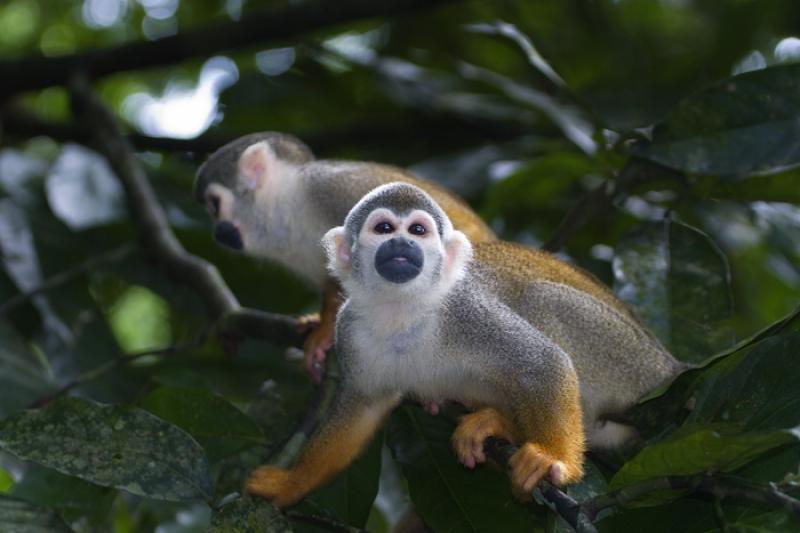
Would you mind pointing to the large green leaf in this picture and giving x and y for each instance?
(18, 516)
(743, 125)
(350, 495)
(449, 497)
(249, 515)
(23, 377)
(758, 390)
(698, 516)
(72, 497)
(695, 449)
(218, 426)
(114, 446)
(678, 282)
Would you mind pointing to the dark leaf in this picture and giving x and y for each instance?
(677, 281)
(744, 125)
(218, 426)
(23, 378)
(449, 497)
(113, 446)
(18, 516)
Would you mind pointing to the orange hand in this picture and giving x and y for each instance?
(321, 338)
(475, 428)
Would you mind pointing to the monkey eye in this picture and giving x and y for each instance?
(417, 229)
(383, 227)
(213, 205)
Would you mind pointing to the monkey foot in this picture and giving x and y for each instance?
(531, 463)
(272, 484)
(473, 429)
(315, 348)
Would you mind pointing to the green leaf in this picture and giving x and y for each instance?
(112, 446)
(698, 516)
(349, 497)
(6, 481)
(23, 517)
(758, 389)
(249, 515)
(23, 378)
(678, 282)
(72, 497)
(695, 449)
(222, 429)
(448, 496)
(740, 126)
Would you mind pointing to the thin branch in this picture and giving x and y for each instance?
(156, 235)
(118, 361)
(707, 484)
(275, 24)
(324, 522)
(560, 502)
(600, 200)
(62, 278)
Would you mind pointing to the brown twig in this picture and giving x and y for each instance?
(118, 361)
(324, 522)
(62, 278)
(277, 23)
(707, 484)
(560, 502)
(156, 235)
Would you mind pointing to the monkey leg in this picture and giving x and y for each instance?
(336, 444)
(320, 340)
(554, 442)
(474, 428)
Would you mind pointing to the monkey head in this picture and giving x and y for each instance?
(236, 178)
(396, 240)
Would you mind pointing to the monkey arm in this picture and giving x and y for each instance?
(548, 413)
(354, 419)
(320, 340)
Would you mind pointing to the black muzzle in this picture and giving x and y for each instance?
(228, 235)
(399, 260)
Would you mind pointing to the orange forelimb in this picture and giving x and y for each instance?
(337, 443)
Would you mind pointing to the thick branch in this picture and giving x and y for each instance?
(271, 25)
(445, 131)
(155, 233)
(560, 502)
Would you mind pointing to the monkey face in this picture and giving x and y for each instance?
(219, 202)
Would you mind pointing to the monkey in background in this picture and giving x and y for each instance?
(422, 319)
(269, 197)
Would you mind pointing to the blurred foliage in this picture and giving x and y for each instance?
(521, 107)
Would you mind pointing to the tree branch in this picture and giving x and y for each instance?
(560, 502)
(445, 131)
(156, 235)
(277, 23)
(62, 278)
(707, 484)
(323, 522)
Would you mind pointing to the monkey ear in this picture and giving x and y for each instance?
(337, 247)
(255, 164)
(458, 252)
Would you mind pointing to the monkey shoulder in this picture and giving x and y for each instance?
(476, 317)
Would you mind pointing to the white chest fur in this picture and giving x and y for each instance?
(397, 350)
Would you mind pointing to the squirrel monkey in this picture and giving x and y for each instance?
(269, 197)
(423, 319)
